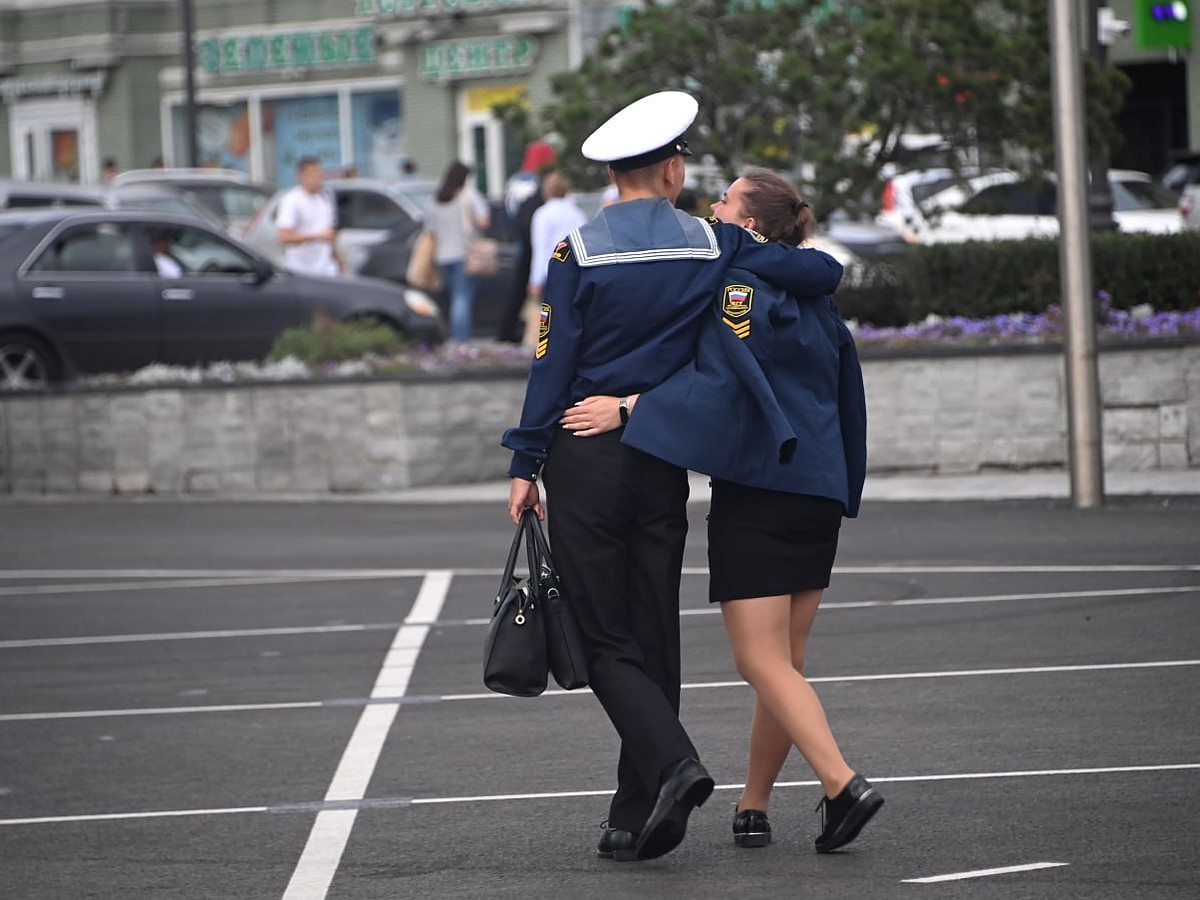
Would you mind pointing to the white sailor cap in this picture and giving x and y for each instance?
(644, 132)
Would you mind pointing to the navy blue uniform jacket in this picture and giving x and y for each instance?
(774, 398)
(623, 304)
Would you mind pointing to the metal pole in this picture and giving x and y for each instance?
(1100, 199)
(189, 81)
(1083, 394)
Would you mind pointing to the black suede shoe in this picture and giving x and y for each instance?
(686, 787)
(616, 844)
(843, 817)
(751, 828)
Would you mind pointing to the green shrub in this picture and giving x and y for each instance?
(329, 341)
(980, 279)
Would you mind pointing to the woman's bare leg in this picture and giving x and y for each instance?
(769, 636)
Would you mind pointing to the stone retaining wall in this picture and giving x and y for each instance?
(945, 412)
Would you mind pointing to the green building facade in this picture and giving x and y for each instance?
(362, 83)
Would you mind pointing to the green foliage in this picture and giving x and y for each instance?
(328, 341)
(825, 90)
(982, 279)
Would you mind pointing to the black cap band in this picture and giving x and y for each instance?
(676, 147)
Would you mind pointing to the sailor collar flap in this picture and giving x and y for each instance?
(632, 232)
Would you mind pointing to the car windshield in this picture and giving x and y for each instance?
(1134, 195)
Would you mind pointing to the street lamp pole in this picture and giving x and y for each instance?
(189, 81)
(1100, 199)
(1075, 264)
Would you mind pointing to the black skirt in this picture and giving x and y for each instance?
(767, 543)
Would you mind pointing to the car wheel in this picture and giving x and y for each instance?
(26, 363)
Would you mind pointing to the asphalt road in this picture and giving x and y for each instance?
(255, 700)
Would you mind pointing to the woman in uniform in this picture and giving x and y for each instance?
(773, 408)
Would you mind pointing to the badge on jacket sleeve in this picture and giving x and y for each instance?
(736, 306)
(562, 251)
(543, 331)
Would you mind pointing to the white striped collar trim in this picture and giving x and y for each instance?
(584, 258)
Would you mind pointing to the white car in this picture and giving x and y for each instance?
(908, 196)
(1002, 206)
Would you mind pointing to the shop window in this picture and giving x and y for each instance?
(377, 123)
(296, 127)
(223, 136)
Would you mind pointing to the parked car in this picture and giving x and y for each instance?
(32, 194)
(907, 196)
(367, 210)
(80, 292)
(231, 195)
(1182, 179)
(1003, 206)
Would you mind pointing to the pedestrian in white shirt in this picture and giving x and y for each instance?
(307, 223)
(552, 222)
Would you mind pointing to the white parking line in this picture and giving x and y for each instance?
(344, 807)
(26, 643)
(35, 574)
(327, 840)
(488, 695)
(984, 873)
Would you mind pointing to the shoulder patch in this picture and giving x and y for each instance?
(761, 238)
(543, 342)
(735, 306)
(561, 251)
(711, 220)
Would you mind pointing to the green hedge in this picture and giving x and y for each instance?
(982, 279)
(328, 341)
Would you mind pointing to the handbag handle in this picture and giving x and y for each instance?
(545, 563)
(529, 521)
(510, 566)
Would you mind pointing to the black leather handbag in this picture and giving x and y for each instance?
(514, 655)
(564, 645)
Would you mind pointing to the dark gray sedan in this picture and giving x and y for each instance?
(93, 291)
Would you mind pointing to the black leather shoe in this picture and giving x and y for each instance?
(751, 828)
(843, 817)
(685, 788)
(617, 844)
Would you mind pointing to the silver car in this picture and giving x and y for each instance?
(367, 210)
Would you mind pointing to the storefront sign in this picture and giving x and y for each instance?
(301, 49)
(484, 99)
(473, 58)
(61, 85)
(433, 7)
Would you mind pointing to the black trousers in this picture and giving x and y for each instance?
(618, 520)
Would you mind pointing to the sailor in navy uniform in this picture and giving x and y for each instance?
(623, 303)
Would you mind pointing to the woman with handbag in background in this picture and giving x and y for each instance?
(773, 408)
(456, 214)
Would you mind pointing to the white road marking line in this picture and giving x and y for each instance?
(158, 711)
(108, 587)
(488, 695)
(152, 637)
(116, 817)
(984, 873)
(565, 795)
(26, 643)
(327, 841)
(689, 570)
